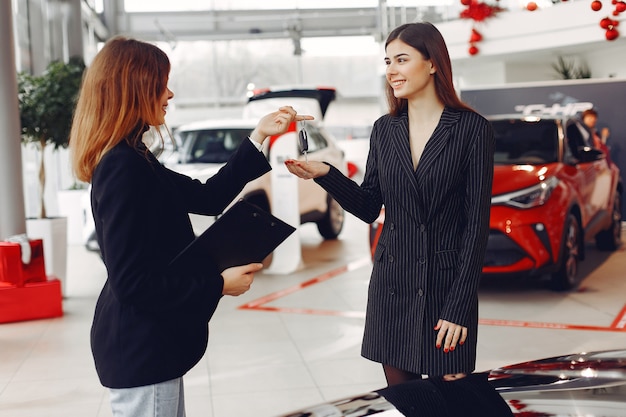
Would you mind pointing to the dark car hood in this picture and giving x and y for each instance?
(507, 178)
(584, 384)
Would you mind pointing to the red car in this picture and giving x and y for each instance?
(551, 193)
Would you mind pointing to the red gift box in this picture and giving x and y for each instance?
(26, 293)
(13, 271)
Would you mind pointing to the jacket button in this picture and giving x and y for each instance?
(392, 291)
(393, 226)
(422, 228)
(420, 292)
(390, 258)
(422, 260)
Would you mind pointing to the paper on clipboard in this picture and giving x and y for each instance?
(245, 233)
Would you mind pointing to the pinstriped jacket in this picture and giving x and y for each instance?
(429, 257)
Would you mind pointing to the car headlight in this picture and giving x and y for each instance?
(530, 197)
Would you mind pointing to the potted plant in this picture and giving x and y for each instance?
(46, 105)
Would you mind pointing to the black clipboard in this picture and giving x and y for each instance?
(243, 234)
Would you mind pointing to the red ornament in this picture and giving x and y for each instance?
(479, 11)
(596, 5)
(531, 6)
(466, 2)
(620, 6)
(606, 23)
(611, 34)
(473, 50)
(475, 36)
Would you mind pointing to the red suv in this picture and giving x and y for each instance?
(551, 193)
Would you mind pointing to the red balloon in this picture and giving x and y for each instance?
(611, 34)
(473, 50)
(531, 6)
(596, 5)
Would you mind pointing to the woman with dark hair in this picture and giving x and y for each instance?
(151, 321)
(431, 165)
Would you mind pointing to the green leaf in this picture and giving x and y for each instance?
(47, 102)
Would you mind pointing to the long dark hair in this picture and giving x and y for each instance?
(426, 39)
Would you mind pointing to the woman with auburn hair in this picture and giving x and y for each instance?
(431, 165)
(151, 321)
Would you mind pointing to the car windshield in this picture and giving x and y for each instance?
(213, 146)
(525, 142)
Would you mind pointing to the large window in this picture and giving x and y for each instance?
(180, 5)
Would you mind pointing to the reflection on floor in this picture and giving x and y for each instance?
(294, 340)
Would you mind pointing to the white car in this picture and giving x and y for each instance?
(204, 147)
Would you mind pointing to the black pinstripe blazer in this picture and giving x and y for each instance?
(429, 257)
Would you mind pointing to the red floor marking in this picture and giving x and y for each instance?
(543, 325)
(620, 320)
(258, 304)
(350, 314)
(618, 325)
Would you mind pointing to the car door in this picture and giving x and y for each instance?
(588, 170)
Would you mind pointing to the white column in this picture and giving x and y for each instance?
(12, 218)
(287, 257)
(75, 44)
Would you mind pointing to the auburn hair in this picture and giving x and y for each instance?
(427, 40)
(118, 100)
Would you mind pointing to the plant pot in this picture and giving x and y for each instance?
(53, 232)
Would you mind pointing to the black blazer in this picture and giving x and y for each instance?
(430, 254)
(150, 323)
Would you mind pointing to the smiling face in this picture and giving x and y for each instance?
(408, 73)
(162, 105)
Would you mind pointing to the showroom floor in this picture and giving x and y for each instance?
(294, 340)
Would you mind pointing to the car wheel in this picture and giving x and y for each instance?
(611, 238)
(92, 244)
(331, 224)
(565, 277)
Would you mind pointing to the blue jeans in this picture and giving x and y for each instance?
(165, 399)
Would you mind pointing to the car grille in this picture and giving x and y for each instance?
(501, 250)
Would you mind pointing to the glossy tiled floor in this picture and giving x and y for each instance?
(296, 340)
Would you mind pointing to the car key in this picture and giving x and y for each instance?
(303, 141)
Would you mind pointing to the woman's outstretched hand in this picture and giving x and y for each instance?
(307, 170)
(276, 123)
(238, 279)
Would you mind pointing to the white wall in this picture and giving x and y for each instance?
(527, 43)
